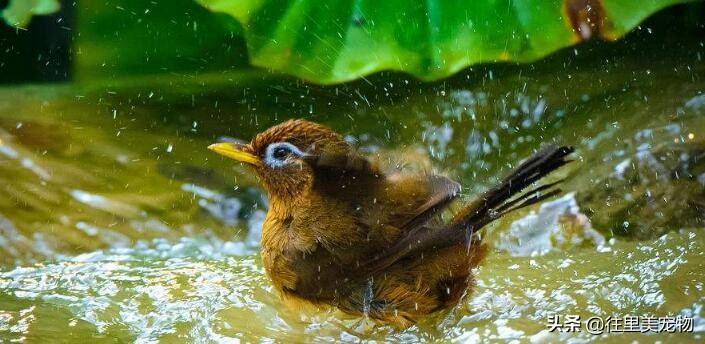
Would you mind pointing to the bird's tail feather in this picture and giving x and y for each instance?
(501, 199)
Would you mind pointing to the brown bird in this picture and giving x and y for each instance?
(342, 233)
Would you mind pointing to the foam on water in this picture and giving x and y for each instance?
(557, 224)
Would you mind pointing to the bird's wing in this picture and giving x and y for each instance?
(441, 191)
(422, 197)
(386, 207)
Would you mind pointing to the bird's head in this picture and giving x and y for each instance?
(286, 155)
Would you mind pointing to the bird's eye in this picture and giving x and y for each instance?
(278, 154)
(281, 152)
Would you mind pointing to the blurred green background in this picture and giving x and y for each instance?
(93, 40)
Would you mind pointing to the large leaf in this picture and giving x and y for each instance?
(335, 41)
(19, 12)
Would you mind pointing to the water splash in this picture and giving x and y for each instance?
(558, 224)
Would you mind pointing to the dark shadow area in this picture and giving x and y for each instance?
(40, 53)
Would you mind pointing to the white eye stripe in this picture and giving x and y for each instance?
(275, 162)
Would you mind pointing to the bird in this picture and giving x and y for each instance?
(341, 232)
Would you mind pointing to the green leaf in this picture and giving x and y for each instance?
(19, 12)
(336, 41)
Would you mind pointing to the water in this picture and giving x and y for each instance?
(116, 223)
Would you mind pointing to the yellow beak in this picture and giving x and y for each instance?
(234, 151)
